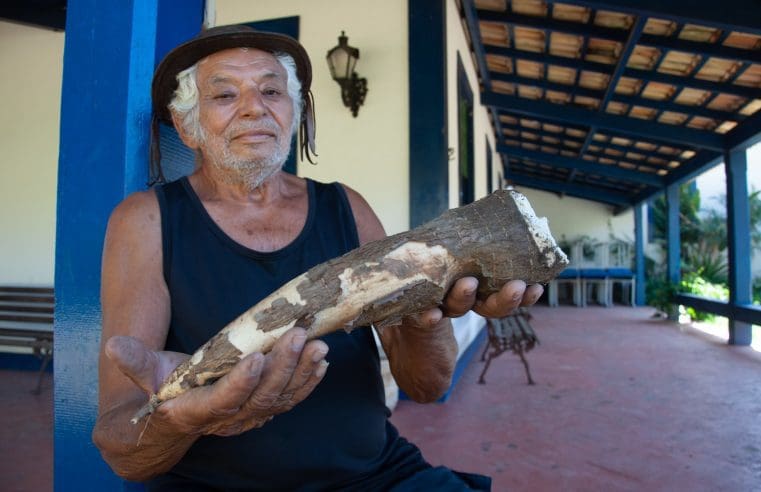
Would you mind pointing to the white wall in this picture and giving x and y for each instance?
(571, 217)
(370, 153)
(32, 62)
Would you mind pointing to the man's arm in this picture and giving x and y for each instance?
(136, 309)
(135, 302)
(422, 351)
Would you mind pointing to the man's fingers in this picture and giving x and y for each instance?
(134, 360)
(227, 395)
(205, 409)
(278, 370)
(533, 293)
(314, 353)
(460, 298)
(503, 302)
(309, 385)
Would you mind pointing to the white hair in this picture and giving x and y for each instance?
(184, 102)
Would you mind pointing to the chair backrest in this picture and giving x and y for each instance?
(593, 273)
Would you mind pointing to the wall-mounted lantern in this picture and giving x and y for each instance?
(342, 59)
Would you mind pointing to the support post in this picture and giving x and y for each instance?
(639, 255)
(673, 241)
(429, 160)
(109, 58)
(738, 241)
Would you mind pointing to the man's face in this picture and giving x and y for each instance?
(245, 113)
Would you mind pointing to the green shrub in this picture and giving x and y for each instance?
(694, 283)
(659, 293)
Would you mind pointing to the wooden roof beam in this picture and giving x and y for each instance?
(621, 36)
(560, 161)
(622, 124)
(634, 73)
(738, 15)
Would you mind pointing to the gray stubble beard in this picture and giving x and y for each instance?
(250, 173)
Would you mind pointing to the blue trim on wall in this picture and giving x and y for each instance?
(179, 22)
(429, 164)
(109, 55)
(464, 361)
(465, 142)
(23, 362)
(489, 165)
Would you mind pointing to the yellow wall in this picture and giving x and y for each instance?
(31, 61)
(370, 153)
(457, 44)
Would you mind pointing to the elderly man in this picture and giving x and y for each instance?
(182, 260)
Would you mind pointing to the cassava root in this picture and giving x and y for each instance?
(495, 239)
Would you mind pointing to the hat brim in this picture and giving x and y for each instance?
(219, 39)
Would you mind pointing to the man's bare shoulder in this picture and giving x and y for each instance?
(138, 213)
(369, 227)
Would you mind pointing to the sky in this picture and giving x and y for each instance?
(713, 184)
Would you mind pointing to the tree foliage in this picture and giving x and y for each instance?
(703, 245)
(703, 233)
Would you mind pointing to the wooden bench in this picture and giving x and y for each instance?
(26, 320)
(514, 333)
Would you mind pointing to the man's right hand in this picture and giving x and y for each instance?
(255, 390)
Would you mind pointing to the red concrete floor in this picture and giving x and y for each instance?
(622, 403)
(26, 432)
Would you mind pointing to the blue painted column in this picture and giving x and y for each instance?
(738, 241)
(429, 164)
(673, 241)
(109, 56)
(639, 255)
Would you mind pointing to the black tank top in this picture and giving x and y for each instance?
(340, 433)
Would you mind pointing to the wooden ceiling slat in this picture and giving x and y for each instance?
(744, 15)
(749, 89)
(617, 35)
(642, 68)
(571, 163)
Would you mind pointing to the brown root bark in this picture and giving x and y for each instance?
(496, 239)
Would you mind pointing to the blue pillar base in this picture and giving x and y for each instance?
(740, 333)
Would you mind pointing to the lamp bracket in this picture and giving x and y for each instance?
(353, 92)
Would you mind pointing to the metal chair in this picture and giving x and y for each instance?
(514, 333)
(625, 277)
(598, 279)
(569, 276)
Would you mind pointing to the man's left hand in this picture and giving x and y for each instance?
(461, 298)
